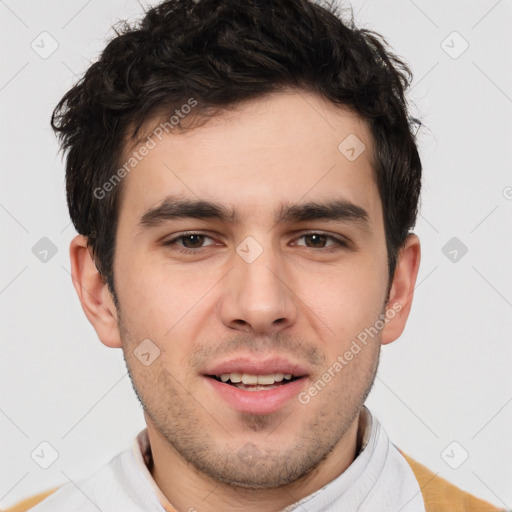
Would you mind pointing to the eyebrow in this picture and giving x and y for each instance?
(172, 208)
(336, 210)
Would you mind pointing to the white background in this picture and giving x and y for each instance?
(447, 379)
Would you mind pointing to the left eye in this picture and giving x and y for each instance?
(190, 241)
(319, 239)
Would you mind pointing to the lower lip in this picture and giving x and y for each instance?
(258, 402)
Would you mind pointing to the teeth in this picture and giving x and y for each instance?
(266, 379)
(248, 379)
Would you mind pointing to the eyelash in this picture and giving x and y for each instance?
(341, 243)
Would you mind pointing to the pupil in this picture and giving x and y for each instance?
(198, 238)
(318, 238)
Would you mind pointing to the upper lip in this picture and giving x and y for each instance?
(253, 366)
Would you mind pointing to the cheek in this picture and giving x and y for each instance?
(167, 303)
(346, 298)
(159, 299)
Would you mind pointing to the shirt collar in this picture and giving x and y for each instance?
(141, 451)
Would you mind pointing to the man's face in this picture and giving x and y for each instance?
(260, 294)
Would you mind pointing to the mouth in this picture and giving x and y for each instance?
(251, 382)
(254, 386)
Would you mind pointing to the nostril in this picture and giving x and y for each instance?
(241, 323)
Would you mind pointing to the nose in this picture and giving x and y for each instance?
(258, 297)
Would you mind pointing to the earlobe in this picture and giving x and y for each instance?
(402, 290)
(93, 292)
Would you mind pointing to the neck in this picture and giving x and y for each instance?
(188, 489)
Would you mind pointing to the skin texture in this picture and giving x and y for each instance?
(303, 299)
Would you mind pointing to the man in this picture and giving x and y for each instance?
(244, 178)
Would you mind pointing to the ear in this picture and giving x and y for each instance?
(402, 290)
(95, 297)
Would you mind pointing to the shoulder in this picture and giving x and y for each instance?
(109, 486)
(28, 503)
(440, 495)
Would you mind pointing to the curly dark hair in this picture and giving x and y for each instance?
(221, 53)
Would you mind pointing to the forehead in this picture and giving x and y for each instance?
(284, 148)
